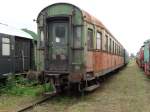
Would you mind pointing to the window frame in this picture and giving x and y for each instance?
(90, 45)
(110, 43)
(116, 49)
(6, 43)
(113, 46)
(54, 33)
(106, 43)
(77, 37)
(100, 39)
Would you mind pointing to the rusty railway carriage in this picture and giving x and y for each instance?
(15, 50)
(75, 48)
(146, 57)
(140, 57)
(143, 57)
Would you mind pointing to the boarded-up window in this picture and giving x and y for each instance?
(90, 39)
(5, 46)
(98, 40)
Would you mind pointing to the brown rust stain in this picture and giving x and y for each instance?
(89, 61)
(98, 61)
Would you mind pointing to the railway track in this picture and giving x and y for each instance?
(49, 96)
(31, 106)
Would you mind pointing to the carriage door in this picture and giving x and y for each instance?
(58, 36)
(22, 54)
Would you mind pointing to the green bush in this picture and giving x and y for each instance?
(48, 87)
(22, 86)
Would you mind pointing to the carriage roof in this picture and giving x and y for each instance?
(5, 29)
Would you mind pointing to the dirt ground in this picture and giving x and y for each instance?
(126, 91)
(14, 103)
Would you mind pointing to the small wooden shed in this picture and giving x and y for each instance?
(15, 50)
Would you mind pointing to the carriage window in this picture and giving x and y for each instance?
(90, 39)
(5, 46)
(106, 45)
(113, 47)
(77, 37)
(60, 31)
(98, 40)
(110, 45)
(119, 50)
(116, 49)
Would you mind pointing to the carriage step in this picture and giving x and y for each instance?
(49, 93)
(91, 88)
(90, 78)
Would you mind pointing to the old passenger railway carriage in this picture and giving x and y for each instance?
(75, 48)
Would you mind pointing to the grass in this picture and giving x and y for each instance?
(23, 87)
(18, 91)
(126, 91)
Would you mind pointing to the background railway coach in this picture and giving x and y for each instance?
(75, 48)
(15, 50)
(126, 57)
(147, 57)
(140, 58)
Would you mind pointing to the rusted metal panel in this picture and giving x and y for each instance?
(97, 61)
(114, 61)
(89, 61)
(75, 77)
(110, 60)
(105, 62)
(92, 19)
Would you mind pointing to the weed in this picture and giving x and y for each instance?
(21, 86)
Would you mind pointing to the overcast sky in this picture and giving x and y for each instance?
(127, 20)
